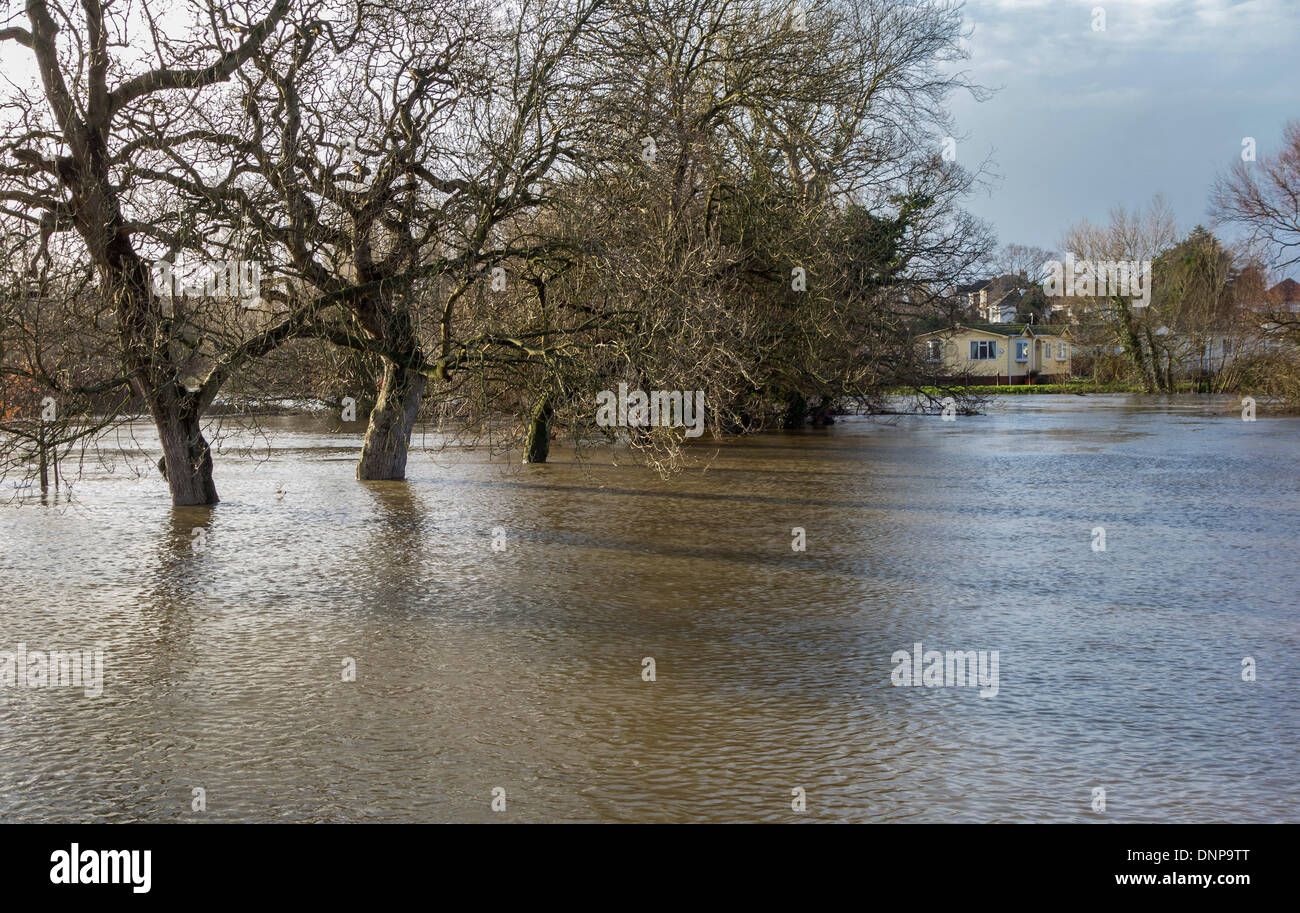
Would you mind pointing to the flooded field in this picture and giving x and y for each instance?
(227, 632)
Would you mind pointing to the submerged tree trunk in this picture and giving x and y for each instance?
(392, 421)
(177, 413)
(186, 462)
(537, 444)
(42, 457)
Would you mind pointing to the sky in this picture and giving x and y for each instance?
(1157, 102)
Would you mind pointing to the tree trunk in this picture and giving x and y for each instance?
(1152, 362)
(392, 421)
(537, 445)
(42, 457)
(186, 462)
(1139, 355)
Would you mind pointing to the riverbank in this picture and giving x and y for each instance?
(1081, 388)
(1078, 387)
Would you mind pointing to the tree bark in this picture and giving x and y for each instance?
(392, 421)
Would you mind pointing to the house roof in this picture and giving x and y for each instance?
(1289, 289)
(994, 284)
(1009, 299)
(1000, 329)
(1016, 329)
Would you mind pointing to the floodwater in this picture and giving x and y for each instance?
(225, 631)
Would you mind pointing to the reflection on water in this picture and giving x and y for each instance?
(225, 629)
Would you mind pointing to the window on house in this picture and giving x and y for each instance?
(934, 350)
(1047, 350)
(1061, 351)
(983, 349)
(1022, 350)
(1227, 347)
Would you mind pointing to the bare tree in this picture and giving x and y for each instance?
(1263, 197)
(387, 167)
(1131, 235)
(78, 159)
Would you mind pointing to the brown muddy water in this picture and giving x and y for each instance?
(224, 631)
